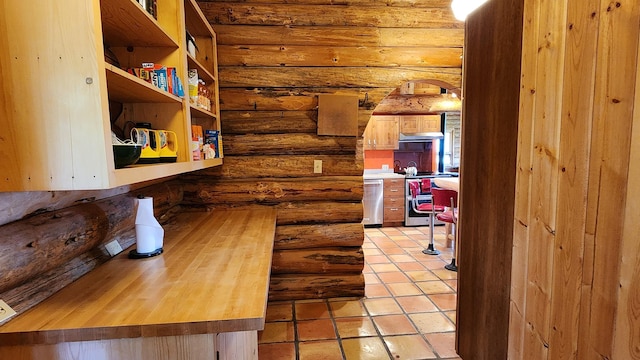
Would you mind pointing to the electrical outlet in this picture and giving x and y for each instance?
(113, 248)
(317, 166)
(5, 311)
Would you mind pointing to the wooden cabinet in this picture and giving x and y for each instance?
(419, 123)
(61, 98)
(370, 135)
(394, 200)
(382, 133)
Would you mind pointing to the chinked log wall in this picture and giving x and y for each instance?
(274, 58)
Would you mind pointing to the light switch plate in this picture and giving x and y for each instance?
(5, 311)
(113, 248)
(317, 166)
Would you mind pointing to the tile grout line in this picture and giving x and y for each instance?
(407, 315)
(335, 329)
(296, 345)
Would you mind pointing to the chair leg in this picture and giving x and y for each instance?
(431, 250)
(453, 266)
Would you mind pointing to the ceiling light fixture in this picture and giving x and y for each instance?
(462, 8)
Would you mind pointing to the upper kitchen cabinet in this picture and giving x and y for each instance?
(62, 96)
(410, 124)
(382, 133)
(370, 135)
(387, 133)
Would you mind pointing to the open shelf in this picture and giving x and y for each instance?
(196, 22)
(124, 87)
(200, 112)
(139, 173)
(126, 23)
(203, 73)
(104, 95)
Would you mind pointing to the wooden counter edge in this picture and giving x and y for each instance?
(41, 337)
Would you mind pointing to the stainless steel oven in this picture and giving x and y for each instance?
(411, 218)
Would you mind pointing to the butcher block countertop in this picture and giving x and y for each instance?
(213, 277)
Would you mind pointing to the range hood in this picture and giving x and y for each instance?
(420, 137)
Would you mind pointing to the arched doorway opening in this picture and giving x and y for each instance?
(427, 111)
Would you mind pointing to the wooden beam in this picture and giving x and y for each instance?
(395, 3)
(342, 260)
(333, 77)
(319, 55)
(322, 15)
(412, 104)
(338, 36)
(282, 166)
(286, 287)
(204, 190)
(288, 144)
(269, 122)
(301, 213)
(293, 99)
(315, 236)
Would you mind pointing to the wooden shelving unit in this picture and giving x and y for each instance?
(65, 99)
(205, 62)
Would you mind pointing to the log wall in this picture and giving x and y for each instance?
(275, 58)
(64, 238)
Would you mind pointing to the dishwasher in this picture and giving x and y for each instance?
(373, 202)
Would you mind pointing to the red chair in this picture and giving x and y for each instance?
(417, 187)
(449, 198)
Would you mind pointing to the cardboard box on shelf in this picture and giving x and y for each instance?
(211, 142)
(197, 141)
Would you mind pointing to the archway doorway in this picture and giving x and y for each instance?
(396, 264)
(421, 109)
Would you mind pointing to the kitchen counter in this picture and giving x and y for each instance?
(213, 277)
(382, 176)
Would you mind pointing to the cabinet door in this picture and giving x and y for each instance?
(429, 123)
(409, 124)
(387, 132)
(370, 135)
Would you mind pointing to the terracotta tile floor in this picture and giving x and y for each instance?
(408, 311)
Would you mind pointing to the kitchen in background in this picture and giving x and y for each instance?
(427, 154)
(406, 141)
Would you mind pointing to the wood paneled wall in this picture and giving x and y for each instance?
(574, 192)
(575, 246)
(275, 58)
